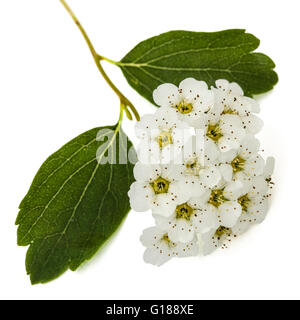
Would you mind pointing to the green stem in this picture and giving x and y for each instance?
(122, 108)
(109, 60)
(97, 58)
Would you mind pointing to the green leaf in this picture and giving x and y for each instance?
(176, 55)
(75, 203)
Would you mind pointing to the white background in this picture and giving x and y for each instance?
(51, 91)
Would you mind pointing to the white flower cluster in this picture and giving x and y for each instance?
(199, 169)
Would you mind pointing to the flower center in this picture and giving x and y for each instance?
(214, 132)
(193, 167)
(166, 239)
(217, 197)
(238, 164)
(228, 110)
(221, 231)
(184, 211)
(164, 138)
(244, 201)
(160, 185)
(184, 108)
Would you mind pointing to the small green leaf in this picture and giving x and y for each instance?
(75, 203)
(176, 55)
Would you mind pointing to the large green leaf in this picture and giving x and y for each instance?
(176, 55)
(75, 202)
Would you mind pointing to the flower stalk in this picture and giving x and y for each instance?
(125, 103)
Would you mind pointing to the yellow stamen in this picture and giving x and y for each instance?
(221, 231)
(164, 139)
(238, 164)
(217, 197)
(214, 132)
(160, 185)
(244, 201)
(184, 211)
(184, 108)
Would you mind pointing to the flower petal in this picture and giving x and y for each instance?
(166, 95)
(226, 171)
(188, 249)
(233, 190)
(249, 146)
(182, 190)
(205, 218)
(223, 85)
(254, 166)
(140, 195)
(165, 118)
(269, 167)
(228, 213)
(252, 124)
(208, 243)
(146, 172)
(257, 210)
(156, 256)
(235, 89)
(144, 127)
(211, 151)
(181, 231)
(164, 204)
(210, 176)
(151, 236)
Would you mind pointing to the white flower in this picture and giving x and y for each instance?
(188, 219)
(161, 135)
(231, 97)
(190, 100)
(161, 249)
(232, 203)
(199, 169)
(254, 206)
(267, 174)
(197, 165)
(254, 202)
(226, 131)
(243, 160)
(254, 209)
(213, 239)
(269, 168)
(158, 187)
(222, 204)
